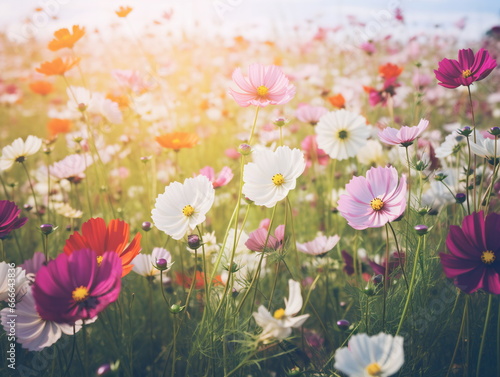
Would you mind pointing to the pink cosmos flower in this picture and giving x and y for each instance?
(224, 177)
(373, 201)
(310, 147)
(319, 246)
(132, 80)
(403, 137)
(77, 286)
(257, 239)
(310, 114)
(9, 218)
(71, 167)
(468, 69)
(31, 266)
(265, 85)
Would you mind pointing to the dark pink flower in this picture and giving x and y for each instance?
(74, 287)
(312, 152)
(9, 218)
(468, 69)
(473, 262)
(257, 239)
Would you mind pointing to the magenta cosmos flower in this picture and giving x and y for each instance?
(265, 85)
(466, 70)
(373, 201)
(9, 218)
(77, 286)
(404, 136)
(472, 261)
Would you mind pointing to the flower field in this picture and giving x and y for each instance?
(174, 204)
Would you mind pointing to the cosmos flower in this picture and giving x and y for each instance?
(372, 154)
(373, 201)
(380, 355)
(312, 153)
(71, 167)
(144, 264)
(41, 87)
(486, 148)
(123, 11)
(337, 100)
(58, 66)
(19, 150)
(319, 246)
(272, 175)
(101, 239)
(404, 136)
(310, 114)
(76, 287)
(33, 332)
(63, 38)
(183, 206)
(21, 280)
(178, 140)
(280, 324)
(474, 247)
(57, 126)
(224, 177)
(9, 218)
(469, 68)
(389, 71)
(342, 133)
(265, 85)
(257, 239)
(81, 99)
(31, 266)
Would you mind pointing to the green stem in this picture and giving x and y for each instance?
(475, 162)
(483, 338)
(254, 123)
(464, 315)
(31, 187)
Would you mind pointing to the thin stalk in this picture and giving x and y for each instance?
(254, 123)
(475, 162)
(464, 315)
(31, 187)
(386, 275)
(483, 338)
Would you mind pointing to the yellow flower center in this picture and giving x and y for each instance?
(374, 369)
(278, 179)
(80, 293)
(262, 90)
(188, 211)
(175, 141)
(279, 314)
(488, 257)
(466, 73)
(343, 134)
(99, 260)
(377, 204)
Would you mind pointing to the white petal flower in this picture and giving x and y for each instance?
(342, 133)
(183, 206)
(272, 175)
(12, 277)
(452, 143)
(144, 263)
(381, 355)
(33, 332)
(19, 150)
(279, 325)
(485, 147)
(320, 245)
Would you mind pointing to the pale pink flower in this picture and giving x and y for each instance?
(224, 177)
(319, 246)
(232, 153)
(265, 85)
(404, 136)
(312, 152)
(31, 266)
(257, 239)
(71, 167)
(310, 114)
(131, 79)
(373, 201)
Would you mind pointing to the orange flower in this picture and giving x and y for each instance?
(96, 236)
(123, 11)
(389, 71)
(57, 66)
(178, 140)
(186, 281)
(58, 126)
(63, 38)
(121, 100)
(41, 87)
(337, 100)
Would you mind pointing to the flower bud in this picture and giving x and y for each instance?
(161, 264)
(466, 131)
(460, 197)
(421, 229)
(47, 228)
(495, 131)
(146, 226)
(194, 242)
(103, 370)
(176, 309)
(244, 149)
(343, 324)
(280, 122)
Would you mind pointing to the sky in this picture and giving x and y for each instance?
(259, 18)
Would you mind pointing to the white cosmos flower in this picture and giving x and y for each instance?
(320, 245)
(279, 325)
(485, 147)
(144, 263)
(183, 206)
(19, 150)
(20, 281)
(272, 175)
(342, 133)
(380, 355)
(452, 143)
(33, 332)
(94, 103)
(372, 154)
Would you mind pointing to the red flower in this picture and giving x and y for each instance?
(96, 236)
